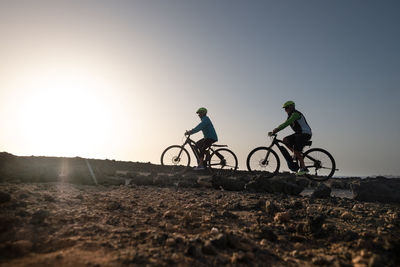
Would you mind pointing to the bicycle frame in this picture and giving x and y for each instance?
(193, 146)
(276, 142)
(293, 166)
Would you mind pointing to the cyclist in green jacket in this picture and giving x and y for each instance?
(296, 141)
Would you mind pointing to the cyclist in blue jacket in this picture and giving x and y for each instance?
(210, 136)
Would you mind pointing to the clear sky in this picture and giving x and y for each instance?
(122, 79)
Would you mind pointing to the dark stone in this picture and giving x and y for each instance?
(303, 182)
(268, 234)
(314, 224)
(111, 180)
(240, 258)
(239, 206)
(188, 181)
(296, 204)
(376, 261)
(297, 239)
(142, 180)
(163, 180)
(194, 251)
(23, 196)
(39, 216)
(113, 205)
(7, 223)
(4, 197)
(378, 189)
(260, 205)
(150, 209)
(229, 215)
(245, 178)
(113, 221)
(270, 208)
(301, 228)
(22, 213)
(208, 248)
(274, 186)
(322, 191)
(349, 236)
(49, 198)
(339, 184)
(228, 183)
(220, 241)
(289, 179)
(234, 241)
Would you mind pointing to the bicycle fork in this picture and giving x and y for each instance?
(265, 161)
(178, 158)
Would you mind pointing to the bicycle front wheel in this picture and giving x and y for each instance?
(223, 159)
(320, 163)
(263, 160)
(175, 156)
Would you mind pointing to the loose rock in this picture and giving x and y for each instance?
(4, 197)
(322, 191)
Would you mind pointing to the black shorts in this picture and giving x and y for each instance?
(298, 141)
(203, 144)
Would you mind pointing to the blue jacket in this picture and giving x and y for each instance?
(207, 128)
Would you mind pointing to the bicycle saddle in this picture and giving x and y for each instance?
(308, 143)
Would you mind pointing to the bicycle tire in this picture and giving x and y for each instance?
(228, 163)
(323, 161)
(256, 159)
(174, 160)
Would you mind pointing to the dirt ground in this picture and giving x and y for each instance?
(61, 224)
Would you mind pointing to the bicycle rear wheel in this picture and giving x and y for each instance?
(263, 160)
(175, 157)
(223, 159)
(320, 163)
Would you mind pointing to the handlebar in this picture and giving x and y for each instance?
(186, 138)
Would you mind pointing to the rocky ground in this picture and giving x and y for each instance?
(77, 225)
(136, 219)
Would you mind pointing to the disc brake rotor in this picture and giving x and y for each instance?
(176, 160)
(262, 164)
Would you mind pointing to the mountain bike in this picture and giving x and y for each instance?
(218, 157)
(265, 160)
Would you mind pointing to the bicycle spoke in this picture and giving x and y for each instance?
(325, 168)
(263, 160)
(223, 159)
(175, 157)
(320, 164)
(219, 164)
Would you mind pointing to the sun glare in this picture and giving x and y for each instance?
(64, 114)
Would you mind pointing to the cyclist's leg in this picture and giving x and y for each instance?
(206, 143)
(300, 142)
(289, 141)
(199, 146)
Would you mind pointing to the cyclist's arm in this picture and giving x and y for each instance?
(199, 127)
(295, 116)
